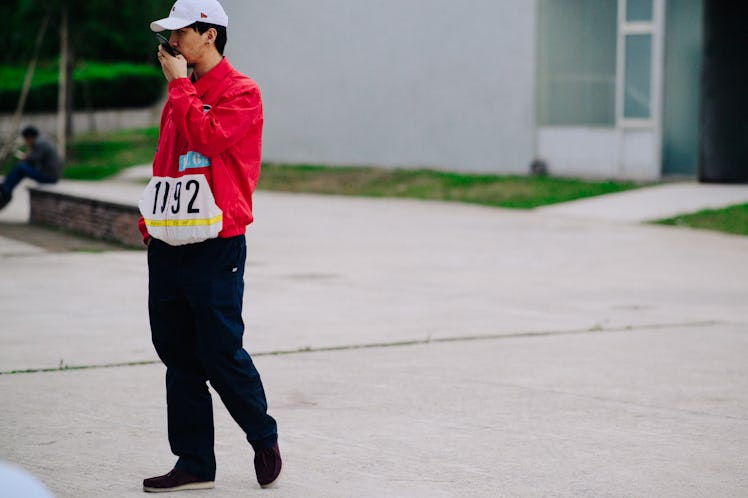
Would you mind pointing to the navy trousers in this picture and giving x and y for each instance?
(21, 171)
(195, 306)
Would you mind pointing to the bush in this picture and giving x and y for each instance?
(96, 85)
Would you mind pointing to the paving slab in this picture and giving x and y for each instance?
(429, 349)
(17, 210)
(658, 412)
(123, 192)
(331, 271)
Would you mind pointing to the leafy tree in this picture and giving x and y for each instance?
(89, 29)
(99, 29)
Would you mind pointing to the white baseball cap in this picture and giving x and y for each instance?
(187, 12)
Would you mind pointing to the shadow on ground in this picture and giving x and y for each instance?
(53, 240)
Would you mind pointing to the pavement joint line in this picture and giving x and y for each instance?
(381, 345)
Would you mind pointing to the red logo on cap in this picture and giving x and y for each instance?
(203, 16)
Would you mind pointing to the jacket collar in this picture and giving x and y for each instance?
(213, 77)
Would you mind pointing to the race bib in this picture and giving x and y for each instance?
(180, 210)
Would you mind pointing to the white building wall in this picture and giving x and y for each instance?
(434, 83)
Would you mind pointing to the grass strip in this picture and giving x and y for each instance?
(733, 219)
(523, 192)
(98, 156)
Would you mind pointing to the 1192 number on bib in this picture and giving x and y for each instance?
(180, 210)
(176, 206)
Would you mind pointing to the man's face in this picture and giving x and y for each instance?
(191, 44)
(30, 141)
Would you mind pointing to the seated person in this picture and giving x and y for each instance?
(41, 163)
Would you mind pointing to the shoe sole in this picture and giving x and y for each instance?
(183, 487)
(272, 484)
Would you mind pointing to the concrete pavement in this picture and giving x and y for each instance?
(653, 203)
(429, 349)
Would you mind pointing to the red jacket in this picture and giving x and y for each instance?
(218, 117)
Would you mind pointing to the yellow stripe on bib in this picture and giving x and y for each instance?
(184, 223)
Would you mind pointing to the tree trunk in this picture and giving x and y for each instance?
(26, 87)
(69, 103)
(62, 95)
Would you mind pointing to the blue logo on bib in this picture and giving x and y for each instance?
(193, 160)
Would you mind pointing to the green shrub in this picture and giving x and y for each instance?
(96, 86)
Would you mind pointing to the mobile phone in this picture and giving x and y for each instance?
(165, 44)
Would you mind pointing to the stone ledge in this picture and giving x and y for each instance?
(95, 218)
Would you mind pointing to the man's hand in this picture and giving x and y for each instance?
(173, 67)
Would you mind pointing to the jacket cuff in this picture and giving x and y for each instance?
(179, 83)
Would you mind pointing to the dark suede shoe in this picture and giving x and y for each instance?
(175, 480)
(268, 466)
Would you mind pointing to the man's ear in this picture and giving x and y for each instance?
(212, 35)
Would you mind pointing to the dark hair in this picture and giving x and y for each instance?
(221, 37)
(29, 132)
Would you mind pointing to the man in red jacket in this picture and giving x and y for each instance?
(195, 213)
